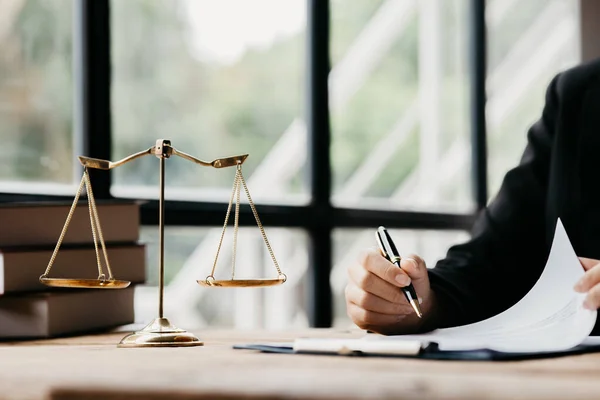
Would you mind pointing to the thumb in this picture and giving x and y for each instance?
(588, 263)
(414, 266)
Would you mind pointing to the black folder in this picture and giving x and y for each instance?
(431, 352)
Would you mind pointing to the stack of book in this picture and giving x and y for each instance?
(28, 235)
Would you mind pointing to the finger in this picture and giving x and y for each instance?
(592, 300)
(370, 302)
(371, 283)
(375, 263)
(588, 263)
(368, 319)
(588, 280)
(414, 266)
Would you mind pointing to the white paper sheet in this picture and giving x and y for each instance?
(550, 317)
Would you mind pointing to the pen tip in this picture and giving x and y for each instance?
(417, 308)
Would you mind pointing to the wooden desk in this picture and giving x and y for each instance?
(92, 367)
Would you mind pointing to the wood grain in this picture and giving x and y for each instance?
(92, 367)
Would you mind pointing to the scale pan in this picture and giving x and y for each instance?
(85, 283)
(240, 282)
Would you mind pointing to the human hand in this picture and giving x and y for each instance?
(374, 299)
(590, 283)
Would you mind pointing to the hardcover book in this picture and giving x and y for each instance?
(40, 223)
(65, 312)
(20, 268)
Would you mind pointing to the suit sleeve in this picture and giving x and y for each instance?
(507, 250)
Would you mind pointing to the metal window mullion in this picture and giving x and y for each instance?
(182, 213)
(320, 222)
(92, 87)
(477, 61)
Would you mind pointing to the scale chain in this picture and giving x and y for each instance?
(260, 226)
(235, 184)
(93, 224)
(98, 228)
(236, 223)
(64, 230)
(237, 187)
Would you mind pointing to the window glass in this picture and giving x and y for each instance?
(189, 256)
(399, 105)
(36, 95)
(217, 78)
(528, 43)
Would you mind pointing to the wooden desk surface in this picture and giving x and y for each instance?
(92, 367)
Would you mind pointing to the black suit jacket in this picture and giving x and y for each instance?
(558, 176)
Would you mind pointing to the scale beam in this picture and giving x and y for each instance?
(166, 150)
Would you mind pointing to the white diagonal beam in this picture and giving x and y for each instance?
(8, 12)
(430, 85)
(367, 51)
(552, 15)
(452, 163)
(497, 10)
(378, 158)
(503, 103)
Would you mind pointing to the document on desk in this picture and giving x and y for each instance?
(549, 318)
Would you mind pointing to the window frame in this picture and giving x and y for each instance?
(92, 137)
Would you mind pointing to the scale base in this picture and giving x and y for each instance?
(160, 333)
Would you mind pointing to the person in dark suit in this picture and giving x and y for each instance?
(558, 177)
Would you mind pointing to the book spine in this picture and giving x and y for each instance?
(44, 315)
(42, 225)
(20, 270)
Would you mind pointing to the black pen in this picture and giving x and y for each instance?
(389, 251)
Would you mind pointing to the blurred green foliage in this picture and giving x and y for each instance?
(36, 91)
(160, 89)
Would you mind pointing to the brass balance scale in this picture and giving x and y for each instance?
(160, 332)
